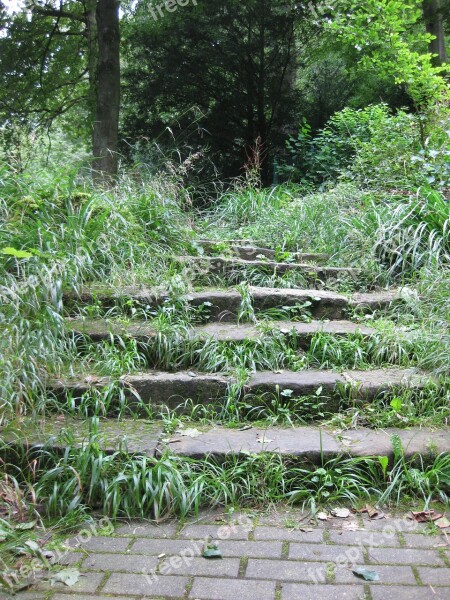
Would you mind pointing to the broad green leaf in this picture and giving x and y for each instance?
(396, 404)
(16, 253)
(384, 462)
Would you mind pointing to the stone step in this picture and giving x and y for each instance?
(136, 436)
(306, 443)
(99, 330)
(237, 242)
(249, 252)
(234, 268)
(225, 304)
(159, 389)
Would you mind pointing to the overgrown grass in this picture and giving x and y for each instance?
(286, 219)
(58, 233)
(120, 484)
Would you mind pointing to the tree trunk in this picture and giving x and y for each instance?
(261, 93)
(92, 43)
(434, 21)
(106, 124)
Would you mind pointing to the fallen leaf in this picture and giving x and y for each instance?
(67, 576)
(442, 523)
(4, 533)
(49, 556)
(341, 513)
(25, 526)
(192, 433)
(424, 516)
(33, 546)
(192, 374)
(306, 529)
(264, 440)
(323, 516)
(161, 555)
(366, 574)
(245, 428)
(374, 513)
(351, 526)
(211, 550)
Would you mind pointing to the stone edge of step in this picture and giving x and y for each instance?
(308, 443)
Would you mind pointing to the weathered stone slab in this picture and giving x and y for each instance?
(224, 304)
(140, 437)
(229, 267)
(153, 387)
(370, 301)
(159, 389)
(307, 443)
(367, 384)
(363, 442)
(100, 330)
(248, 251)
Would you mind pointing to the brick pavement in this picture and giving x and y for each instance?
(266, 558)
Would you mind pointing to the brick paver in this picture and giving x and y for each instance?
(219, 531)
(389, 556)
(141, 561)
(290, 535)
(224, 589)
(141, 585)
(324, 552)
(300, 591)
(408, 593)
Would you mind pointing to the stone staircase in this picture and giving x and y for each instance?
(319, 311)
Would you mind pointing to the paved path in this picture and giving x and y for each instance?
(276, 557)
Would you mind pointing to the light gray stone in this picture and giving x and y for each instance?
(301, 591)
(229, 589)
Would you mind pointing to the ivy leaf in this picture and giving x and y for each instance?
(67, 576)
(211, 550)
(366, 574)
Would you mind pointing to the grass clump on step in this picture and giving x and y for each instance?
(119, 484)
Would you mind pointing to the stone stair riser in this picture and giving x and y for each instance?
(306, 445)
(225, 305)
(160, 389)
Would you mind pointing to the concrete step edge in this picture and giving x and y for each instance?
(225, 304)
(162, 389)
(312, 444)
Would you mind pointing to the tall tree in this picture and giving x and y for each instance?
(235, 61)
(107, 95)
(59, 54)
(434, 12)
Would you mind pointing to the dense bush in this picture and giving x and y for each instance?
(370, 143)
